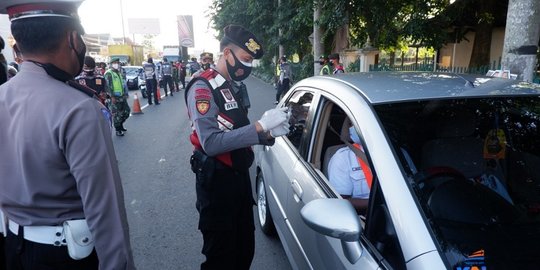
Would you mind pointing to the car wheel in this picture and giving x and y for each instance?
(263, 211)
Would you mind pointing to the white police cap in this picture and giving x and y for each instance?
(21, 9)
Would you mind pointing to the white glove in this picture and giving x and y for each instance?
(280, 130)
(273, 118)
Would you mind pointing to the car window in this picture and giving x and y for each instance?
(473, 166)
(299, 105)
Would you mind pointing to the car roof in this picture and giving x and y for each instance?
(389, 87)
(132, 67)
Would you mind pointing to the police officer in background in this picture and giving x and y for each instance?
(91, 78)
(59, 178)
(149, 71)
(207, 61)
(222, 137)
(119, 95)
(323, 61)
(166, 76)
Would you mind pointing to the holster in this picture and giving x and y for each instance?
(203, 166)
(79, 239)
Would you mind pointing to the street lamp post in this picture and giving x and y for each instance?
(123, 28)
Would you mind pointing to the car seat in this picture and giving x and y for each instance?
(456, 146)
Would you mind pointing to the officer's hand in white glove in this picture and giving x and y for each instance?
(280, 130)
(273, 118)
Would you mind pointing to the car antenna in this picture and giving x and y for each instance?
(467, 82)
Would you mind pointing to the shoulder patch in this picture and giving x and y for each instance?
(203, 106)
(203, 94)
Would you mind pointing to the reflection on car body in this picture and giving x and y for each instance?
(455, 172)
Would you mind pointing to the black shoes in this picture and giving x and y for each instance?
(119, 133)
(122, 128)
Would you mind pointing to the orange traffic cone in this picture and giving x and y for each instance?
(136, 105)
(158, 94)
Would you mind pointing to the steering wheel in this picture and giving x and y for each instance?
(427, 180)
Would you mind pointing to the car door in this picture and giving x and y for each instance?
(308, 183)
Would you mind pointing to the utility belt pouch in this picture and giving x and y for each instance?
(203, 166)
(79, 239)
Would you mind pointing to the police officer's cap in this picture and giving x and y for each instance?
(323, 57)
(27, 9)
(207, 55)
(244, 39)
(115, 59)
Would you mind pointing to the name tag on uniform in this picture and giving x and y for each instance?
(230, 102)
(98, 81)
(82, 82)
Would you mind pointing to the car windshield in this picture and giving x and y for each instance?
(131, 71)
(473, 165)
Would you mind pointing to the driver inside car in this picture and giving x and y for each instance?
(347, 176)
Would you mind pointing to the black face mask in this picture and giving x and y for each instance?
(237, 66)
(80, 55)
(321, 63)
(205, 66)
(330, 63)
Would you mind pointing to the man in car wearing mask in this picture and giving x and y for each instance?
(222, 137)
(60, 185)
(350, 175)
(119, 95)
(207, 61)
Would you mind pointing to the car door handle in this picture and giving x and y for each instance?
(297, 188)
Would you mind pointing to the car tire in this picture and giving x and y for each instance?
(263, 211)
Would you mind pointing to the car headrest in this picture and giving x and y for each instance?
(463, 124)
(345, 136)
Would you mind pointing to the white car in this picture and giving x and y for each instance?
(453, 163)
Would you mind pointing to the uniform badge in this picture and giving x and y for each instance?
(82, 82)
(253, 46)
(98, 81)
(230, 102)
(203, 106)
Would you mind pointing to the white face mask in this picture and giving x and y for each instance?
(115, 66)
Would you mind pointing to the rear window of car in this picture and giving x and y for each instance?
(474, 166)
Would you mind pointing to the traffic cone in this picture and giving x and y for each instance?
(136, 105)
(158, 94)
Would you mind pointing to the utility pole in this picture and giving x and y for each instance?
(521, 38)
(123, 28)
(280, 32)
(318, 46)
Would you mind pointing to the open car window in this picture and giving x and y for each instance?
(473, 165)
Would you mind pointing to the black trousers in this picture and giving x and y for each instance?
(2, 253)
(168, 81)
(283, 87)
(151, 90)
(22, 254)
(225, 205)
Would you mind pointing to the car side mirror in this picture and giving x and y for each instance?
(338, 219)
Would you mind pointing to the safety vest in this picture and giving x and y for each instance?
(365, 168)
(325, 70)
(117, 85)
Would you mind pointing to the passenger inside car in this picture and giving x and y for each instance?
(346, 173)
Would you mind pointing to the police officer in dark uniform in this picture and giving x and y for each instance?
(93, 79)
(222, 137)
(149, 72)
(61, 190)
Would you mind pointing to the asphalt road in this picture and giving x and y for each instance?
(159, 186)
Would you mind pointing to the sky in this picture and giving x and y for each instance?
(104, 16)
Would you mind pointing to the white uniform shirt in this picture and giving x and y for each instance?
(346, 175)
